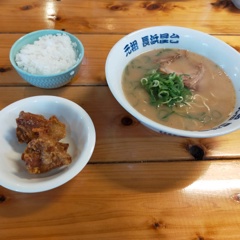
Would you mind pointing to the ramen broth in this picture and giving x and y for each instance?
(213, 95)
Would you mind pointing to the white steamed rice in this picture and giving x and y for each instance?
(50, 54)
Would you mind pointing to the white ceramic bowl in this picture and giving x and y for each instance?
(236, 3)
(204, 44)
(81, 137)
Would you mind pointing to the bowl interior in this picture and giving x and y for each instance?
(80, 136)
(152, 38)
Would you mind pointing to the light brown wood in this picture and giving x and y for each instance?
(92, 70)
(138, 184)
(216, 16)
(117, 142)
(185, 200)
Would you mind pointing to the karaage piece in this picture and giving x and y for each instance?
(26, 123)
(29, 126)
(44, 154)
(56, 129)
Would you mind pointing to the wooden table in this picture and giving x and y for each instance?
(138, 184)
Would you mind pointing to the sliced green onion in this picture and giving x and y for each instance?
(165, 89)
(144, 81)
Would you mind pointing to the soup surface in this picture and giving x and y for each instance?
(210, 97)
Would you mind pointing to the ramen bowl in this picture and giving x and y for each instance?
(80, 135)
(162, 37)
(48, 80)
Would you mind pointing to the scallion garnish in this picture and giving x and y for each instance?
(166, 89)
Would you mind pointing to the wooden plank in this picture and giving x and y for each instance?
(178, 200)
(138, 184)
(211, 16)
(121, 138)
(92, 71)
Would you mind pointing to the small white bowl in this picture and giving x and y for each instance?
(81, 137)
(236, 3)
(201, 43)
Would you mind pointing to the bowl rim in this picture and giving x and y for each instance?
(143, 119)
(81, 161)
(45, 32)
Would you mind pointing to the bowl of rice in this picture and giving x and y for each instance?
(47, 58)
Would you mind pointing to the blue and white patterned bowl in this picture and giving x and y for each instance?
(46, 81)
(157, 37)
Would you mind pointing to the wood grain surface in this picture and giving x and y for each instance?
(138, 184)
(211, 16)
(184, 200)
(92, 71)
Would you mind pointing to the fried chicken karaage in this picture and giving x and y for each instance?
(44, 152)
(29, 125)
